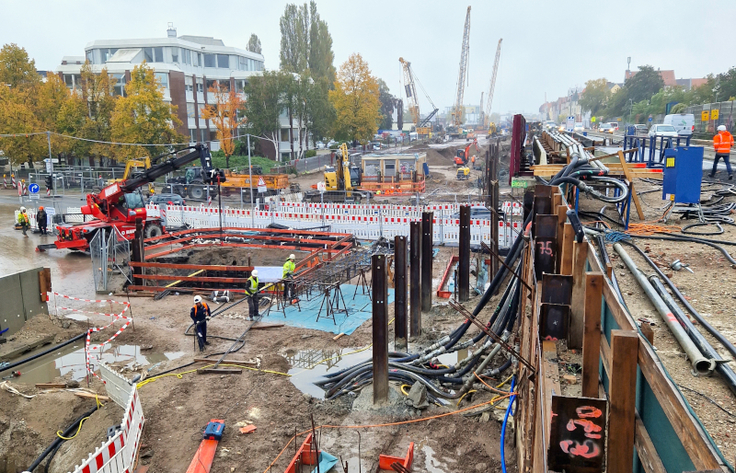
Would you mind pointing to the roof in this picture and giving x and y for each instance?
(208, 40)
(668, 77)
(124, 55)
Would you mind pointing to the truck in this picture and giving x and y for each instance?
(120, 204)
(341, 182)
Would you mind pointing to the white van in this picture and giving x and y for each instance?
(684, 123)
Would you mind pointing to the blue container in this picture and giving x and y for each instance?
(683, 174)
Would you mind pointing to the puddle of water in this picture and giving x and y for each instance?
(306, 370)
(71, 360)
(431, 464)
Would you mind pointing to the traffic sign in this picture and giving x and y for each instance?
(33, 188)
(262, 185)
(592, 119)
(570, 126)
(714, 114)
(321, 186)
(704, 116)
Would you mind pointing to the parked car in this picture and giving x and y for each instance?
(684, 123)
(641, 129)
(662, 130)
(164, 199)
(605, 128)
(320, 145)
(614, 126)
(376, 145)
(332, 144)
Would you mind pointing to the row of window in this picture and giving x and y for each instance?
(186, 56)
(74, 81)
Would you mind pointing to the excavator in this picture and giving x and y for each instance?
(463, 155)
(131, 169)
(121, 203)
(341, 182)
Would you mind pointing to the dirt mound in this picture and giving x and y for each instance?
(440, 157)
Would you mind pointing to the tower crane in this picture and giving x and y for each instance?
(411, 95)
(457, 113)
(493, 84)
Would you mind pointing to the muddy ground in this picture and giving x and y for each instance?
(177, 409)
(710, 288)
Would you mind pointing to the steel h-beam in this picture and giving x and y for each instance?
(415, 271)
(380, 329)
(493, 198)
(463, 265)
(400, 303)
(426, 261)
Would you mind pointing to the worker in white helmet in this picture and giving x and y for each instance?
(722, 144)
(200, 314)
(287, 276)
(24, 221)
(251, 289)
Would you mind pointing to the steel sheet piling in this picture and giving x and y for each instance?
(427, 261)
(415, 268)
(400, 302)
(380, 329)
(463, 266)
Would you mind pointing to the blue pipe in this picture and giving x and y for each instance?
(503, 427)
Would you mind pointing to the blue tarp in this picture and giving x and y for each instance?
(326, 462)
(359, 310)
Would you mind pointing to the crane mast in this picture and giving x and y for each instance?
(493, 81)
(411, 91)
(457, 118)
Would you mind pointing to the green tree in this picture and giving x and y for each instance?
(595, 96)
(17, 70)
(254, 44)
(702, 94)
(355, 98)
(142, 116)
(643, 84)
(387, 105)
(264, 105)
(321, 113)
(306, 43)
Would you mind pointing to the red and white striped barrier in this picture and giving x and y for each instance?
(115, 317)
(48, 191)
(12, 179)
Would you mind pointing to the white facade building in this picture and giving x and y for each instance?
(186, 66)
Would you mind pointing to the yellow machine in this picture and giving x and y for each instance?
(344, 176)
(463, 173)
(130, 168)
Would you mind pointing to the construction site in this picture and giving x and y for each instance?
(475, 301)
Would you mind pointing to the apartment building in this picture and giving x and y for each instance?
(186, 66)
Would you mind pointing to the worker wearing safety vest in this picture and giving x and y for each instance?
(288, 273)
(200, 314)
(251, 289)
(722, 143)
(23, 221)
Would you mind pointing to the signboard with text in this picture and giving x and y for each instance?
(570, 125)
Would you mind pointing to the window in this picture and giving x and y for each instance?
(200, 86)
(210, 84)
(240, 85)
(189, 84)
(223, 62)
(285, 156)
(284, 134)
(90, 56)
(186, 56)
(242, 63)
(196, 59)
(119, 84)
(174, 54)
(163, 78)
(193, 136)
(190, 110)
(209, 60)
(153, 54)
(203, 135)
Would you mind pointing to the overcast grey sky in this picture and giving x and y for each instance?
(548, 46)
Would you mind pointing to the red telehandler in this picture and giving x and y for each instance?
(121, 203)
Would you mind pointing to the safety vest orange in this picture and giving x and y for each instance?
(722, 142)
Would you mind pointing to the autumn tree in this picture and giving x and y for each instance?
(595, 95)
(254, 44)
(17, 70)
(142, 116)
(17, 115)
(356, 101)
(224, 115)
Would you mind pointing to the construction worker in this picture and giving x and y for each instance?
(288, 273)
(200, 314)
(41, 219)
(23, 221)
(251, 289)
(722, 143)
(472, 160)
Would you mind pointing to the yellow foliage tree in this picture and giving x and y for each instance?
(142, 116)
(224, 115)
(356, 101)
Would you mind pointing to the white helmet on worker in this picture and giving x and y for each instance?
(22, 209)
(197, 299)
(721, 127)
(291, 256)
(254, 273)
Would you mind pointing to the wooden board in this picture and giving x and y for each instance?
(16, 352)
(580, 256)
(568, 236)
(577, 435)
(648, 455)
(624, 354)
(592, 333)
(227, 362)
(630, 178)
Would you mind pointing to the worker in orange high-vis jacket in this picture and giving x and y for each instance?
(722, 143)
(200, 314)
